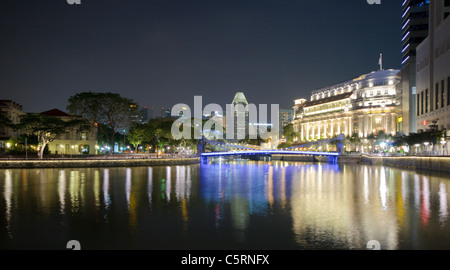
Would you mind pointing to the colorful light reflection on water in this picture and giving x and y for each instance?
(224, 205)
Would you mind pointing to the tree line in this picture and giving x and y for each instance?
(107, 113)
(431, 136)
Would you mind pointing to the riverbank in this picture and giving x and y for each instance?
(80, 163)
(440, 164)
(311, 158)
(420, 163)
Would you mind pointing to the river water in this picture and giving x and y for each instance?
(238, 205)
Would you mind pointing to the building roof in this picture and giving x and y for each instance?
(374, 76)
(9, 103)
(328, 99)
(55, 112)
(239, 98)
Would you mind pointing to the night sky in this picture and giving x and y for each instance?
(163, 52)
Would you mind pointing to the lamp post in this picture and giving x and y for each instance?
(156, 149)
(26, 148)
(123, 141)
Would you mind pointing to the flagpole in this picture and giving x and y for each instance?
(381, 61)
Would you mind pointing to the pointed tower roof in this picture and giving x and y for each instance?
(239, 98)
(55, 112)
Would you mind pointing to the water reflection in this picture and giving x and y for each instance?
(106, 197)
(245, 204)
(149, 184)
(8, 199)
(443, 210)
(62, 191)
(325, 201)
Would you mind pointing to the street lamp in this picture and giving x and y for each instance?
(443, 142)
(156, 149)
(123, 140)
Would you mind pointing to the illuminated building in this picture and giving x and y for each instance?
(362, 106)
(241, 119)
(414, 30)
(286, 116)
(12, 111)
(72, 142)
(433, 71)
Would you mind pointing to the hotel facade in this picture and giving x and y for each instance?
(361, 106)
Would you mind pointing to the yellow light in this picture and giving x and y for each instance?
(400, 119)
(8, 145)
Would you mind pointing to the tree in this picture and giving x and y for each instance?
(283, 145)
(108, 111)
(4, 120)
(289, 132)
(138, 135)
(48, 128)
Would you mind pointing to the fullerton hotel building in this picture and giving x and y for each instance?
(361, 106)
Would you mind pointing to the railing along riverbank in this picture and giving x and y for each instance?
(440, 164)
(98, 161)
(421, 163)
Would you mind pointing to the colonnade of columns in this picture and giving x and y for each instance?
(364, 125)
(325, 128)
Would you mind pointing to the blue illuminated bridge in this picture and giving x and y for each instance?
(233, 149)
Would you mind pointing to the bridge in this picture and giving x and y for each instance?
(234, 149)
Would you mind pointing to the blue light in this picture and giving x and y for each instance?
(268, 152)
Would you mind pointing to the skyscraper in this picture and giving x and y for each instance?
(415, 15)
(286, 117)
(240, 117)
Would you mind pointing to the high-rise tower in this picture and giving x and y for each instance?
(240, 116)
(415, 14)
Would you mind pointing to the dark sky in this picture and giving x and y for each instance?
(163, 52)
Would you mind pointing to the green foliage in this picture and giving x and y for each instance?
(284, 145)
(108, 111)
(289, 133)
(139, 134)
(48, 128)
(4, 120)
(430, 136)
